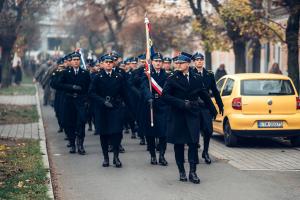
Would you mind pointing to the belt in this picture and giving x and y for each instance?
(74, 95)
(113, 99)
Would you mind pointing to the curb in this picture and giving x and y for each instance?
(43, 144)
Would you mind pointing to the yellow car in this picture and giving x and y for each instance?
(257, 105)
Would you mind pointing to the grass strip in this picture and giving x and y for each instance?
(16, 114)
(18, 90)
(22, 174)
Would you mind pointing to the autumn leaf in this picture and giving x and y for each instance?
(2, 147)
(20, 184)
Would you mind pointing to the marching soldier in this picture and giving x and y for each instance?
(58, 93)
(184, 92)
(159, 111)
(206, 119)
(167, 65)
(129, 116)
(75, 83)
(108, 92)
(135, 83)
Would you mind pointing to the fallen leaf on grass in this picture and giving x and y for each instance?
(2, 147)
(20, 184)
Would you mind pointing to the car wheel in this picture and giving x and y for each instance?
(229, 139)
(295, 141)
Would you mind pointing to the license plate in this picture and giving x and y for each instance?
(270, 124)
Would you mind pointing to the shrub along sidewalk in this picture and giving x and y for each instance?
(22, 174)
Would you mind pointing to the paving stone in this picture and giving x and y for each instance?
(279, 158)
(18, 100)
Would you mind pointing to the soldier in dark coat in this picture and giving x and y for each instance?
(159, 110)
(167, 66)
(108, 92)
(135, 83)
(184, 92)
(130, 117)
(75, 82)
(58, 93)
(211, 88)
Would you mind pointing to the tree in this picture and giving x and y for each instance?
(103, 20)
(292, 37)
(242, 26)
(202, 29)
(15, 17)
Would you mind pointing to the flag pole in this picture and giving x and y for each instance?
(148, 68)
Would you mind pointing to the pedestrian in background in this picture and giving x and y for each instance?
(220, 72)
(275, 69)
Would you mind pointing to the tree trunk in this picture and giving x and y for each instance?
(6, 67)
(292, 32)
(256, 55)
(239, 49)
(208, 62)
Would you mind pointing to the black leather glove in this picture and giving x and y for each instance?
(108, 104)
(76, 87)
(187, 104)
(221, 111)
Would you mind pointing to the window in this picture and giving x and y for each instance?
(228, 87)
(220, 84)
(266, 87)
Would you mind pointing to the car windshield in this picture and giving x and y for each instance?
(267, 87)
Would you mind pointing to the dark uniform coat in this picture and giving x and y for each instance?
(211, 87)
(113, 89)
(135, 84)
(74, 98)
(183, 123)
(159, 106)
(59, 96)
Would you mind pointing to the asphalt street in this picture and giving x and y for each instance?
(82, 177)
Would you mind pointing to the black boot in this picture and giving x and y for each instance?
(205, 154)
(73, 147)
(66, 138)
(142, 142)
(117, 161)
(106, 157)
(133, 135)
(121, 149)
(80, 147)
(126, 131)
(69, 144)
(193, 176)
(153, 160)
(182, 174)
(206, 157)
(162, 161)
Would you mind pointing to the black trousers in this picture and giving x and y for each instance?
(114, 140)
(74, 119)
(192, 153)
(151, 145)
(207, 128)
